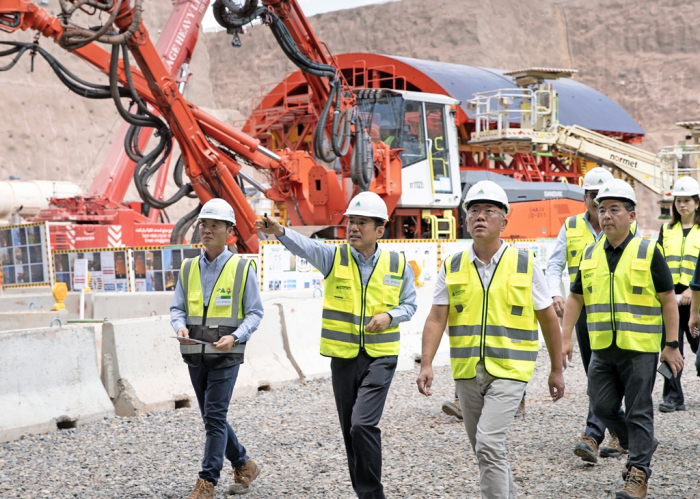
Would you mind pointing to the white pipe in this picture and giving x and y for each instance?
(32, 196)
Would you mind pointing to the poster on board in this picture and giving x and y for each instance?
(25, 255)
(108, 268)
(281, 270)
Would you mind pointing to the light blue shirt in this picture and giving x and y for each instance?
(209, 272)
(320, 255)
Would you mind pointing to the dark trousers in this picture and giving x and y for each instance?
(594, 426)
(214, 388)
(673, 392)
(360, 387)
(613, 374)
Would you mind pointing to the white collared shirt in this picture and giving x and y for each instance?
(540, 291)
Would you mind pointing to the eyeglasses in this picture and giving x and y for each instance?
(488, 212)
(613, 211)
(210, 227)
(591, 194)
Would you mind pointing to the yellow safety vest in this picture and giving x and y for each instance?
(578, 236)
(497, 324)
(624, 302)
(348, 306)
(681, 253)
(225, 311)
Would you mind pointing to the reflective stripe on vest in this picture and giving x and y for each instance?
(348, 306)
(498, 324)
(624, 302)
(578, 236)
(681, 252)
(225, 303)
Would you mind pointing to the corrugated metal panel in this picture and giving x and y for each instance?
(579, 104)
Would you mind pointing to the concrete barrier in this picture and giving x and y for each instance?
(31, 319)
(142, 369)
(302, 321)
(130, 305)
(267, 357)
(49, 379)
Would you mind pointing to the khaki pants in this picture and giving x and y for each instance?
(488, 406)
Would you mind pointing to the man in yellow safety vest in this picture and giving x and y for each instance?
(491, 296)
(627, 289)
(578, 232)
(368, 292)
(217, 301)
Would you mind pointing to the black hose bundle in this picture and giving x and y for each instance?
(183, 225)
(11, 20)
(74, 83)
(362, 159)
(75, 37)
(146, 165)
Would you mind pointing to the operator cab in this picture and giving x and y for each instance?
(423, 126)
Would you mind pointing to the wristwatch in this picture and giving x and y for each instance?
(672, 344)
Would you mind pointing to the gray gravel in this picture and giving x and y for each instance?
(293, 433)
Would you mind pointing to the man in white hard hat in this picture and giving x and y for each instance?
(217, 301)
(627, 289)
(492, 296)
(578, 232)
(368, 292)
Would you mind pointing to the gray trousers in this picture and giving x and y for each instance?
(360, 387)
(613, 374)
(488, 406)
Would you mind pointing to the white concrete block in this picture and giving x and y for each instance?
(142, 369)
(49, 376)
(32, 319)
(266, 359)
(303, 327)
(130, 305)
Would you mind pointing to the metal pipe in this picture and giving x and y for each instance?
(268, 153)
(252, 181)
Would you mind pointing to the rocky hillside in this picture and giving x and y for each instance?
(641, 54)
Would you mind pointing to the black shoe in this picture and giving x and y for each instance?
(671, 407)
(613, 448)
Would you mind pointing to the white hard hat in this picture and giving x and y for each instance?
(217, 209)
(616, 189)
(686, 186)
(595, 178)
(367, 204)
(486, 191)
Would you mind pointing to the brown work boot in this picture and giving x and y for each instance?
(613, 448)
(244, 475)
(452, 408)
(635, 485)
(202, 490)
(587, 449)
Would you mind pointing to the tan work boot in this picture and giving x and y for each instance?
(244, 475)
(613, 448)
(202, 490)
(635, 485)
(587, 449)
(452, 408)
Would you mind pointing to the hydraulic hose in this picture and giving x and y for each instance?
(183, 225)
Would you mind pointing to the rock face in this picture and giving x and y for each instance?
(640, 55)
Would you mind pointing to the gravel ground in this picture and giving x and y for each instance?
(293, 433)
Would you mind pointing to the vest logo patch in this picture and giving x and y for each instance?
(223, 301)
(458, 292)
(338, 286)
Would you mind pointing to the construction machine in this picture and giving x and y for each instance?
(403, 145)
(102, 217)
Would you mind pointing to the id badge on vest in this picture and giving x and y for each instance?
(223, 301)
(392, 280)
